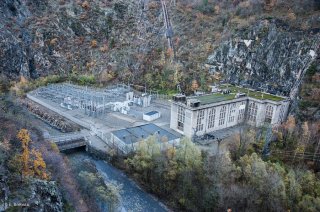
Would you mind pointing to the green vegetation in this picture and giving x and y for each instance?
(218, 97)
(191, 180)
(252, 93)
(310, 94)
(83, 79)
(175, 174)
(212, 98)
(106, 196)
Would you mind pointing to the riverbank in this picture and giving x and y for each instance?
(134, 197)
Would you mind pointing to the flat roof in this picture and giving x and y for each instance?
(219, 97)
(252, 93)
(151, 113)
(213, 98)
(135, 134)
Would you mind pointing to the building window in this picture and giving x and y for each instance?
(181, 117)
(232, 110)
(253, 109)
(200, 118)
(222, 115)
(269, 114)
(242, 109)
(281, 117)
(212, 114)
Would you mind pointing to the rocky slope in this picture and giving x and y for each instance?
(60, 37)
(45, 196)
(268, 56)
(262, 44)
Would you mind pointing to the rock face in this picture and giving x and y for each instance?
(43, 37)
(124, 39)
(14, 58)
(45, 196)
(268, 56)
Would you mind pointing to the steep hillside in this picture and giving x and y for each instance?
(124, 40)
(268, 56)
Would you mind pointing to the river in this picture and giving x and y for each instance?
(134, 199)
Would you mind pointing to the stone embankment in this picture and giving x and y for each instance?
(50, 117)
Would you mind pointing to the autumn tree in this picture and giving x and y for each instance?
(29, 164)
(39, 166)
(194, 85)
(24, 137)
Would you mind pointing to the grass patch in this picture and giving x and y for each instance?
(208, 99)
(252, 93)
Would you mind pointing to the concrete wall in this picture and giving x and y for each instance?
(127, 148)
(190, 123)
(174, 117)
(120, 145)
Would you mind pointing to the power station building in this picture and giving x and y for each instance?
(208, 113)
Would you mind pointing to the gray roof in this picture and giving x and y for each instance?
(136, 134)
(151, 113)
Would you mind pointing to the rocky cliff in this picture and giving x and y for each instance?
(117, 39)
(37, 195)
(45, 196)
(38, 38)
(269, 56)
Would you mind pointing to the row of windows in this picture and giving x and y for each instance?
(252, 115)
(222, 115)
(253, 109)
(212, 116)
(200, 118)
(269, 114)
(181, 118)
(232, 111)
(242, 109)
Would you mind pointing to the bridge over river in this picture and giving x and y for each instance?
(71, 140)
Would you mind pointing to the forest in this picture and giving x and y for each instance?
(242, 179)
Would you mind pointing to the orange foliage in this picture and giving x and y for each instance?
(94, 43)
(290, 124)
(194, 85)
(169, 52)
(53, 41)
(85, 5)
(39, 166)
(25, 139)
(34, 165)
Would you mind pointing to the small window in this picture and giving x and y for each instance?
(269, 114)
(242, 109)
(232, 111)
(181, 118)
(253, 109)
(222, 115)
(200, 118)
(212, 114)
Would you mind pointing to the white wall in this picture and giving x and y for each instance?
(190, 123)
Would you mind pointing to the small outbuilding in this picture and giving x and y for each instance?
(127, 139)
(151, 116)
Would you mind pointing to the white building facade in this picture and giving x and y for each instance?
(200, 119)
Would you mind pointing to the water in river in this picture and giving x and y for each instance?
(134, 199)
